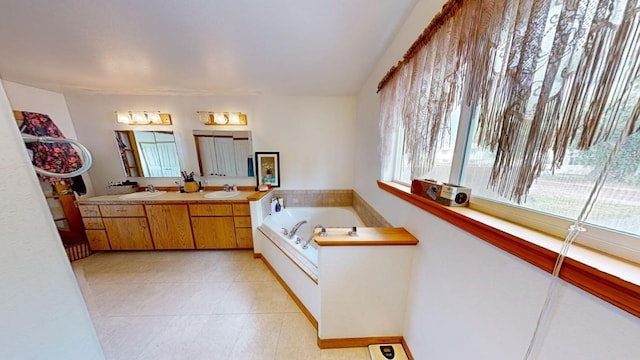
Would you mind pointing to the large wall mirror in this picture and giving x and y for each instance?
(224, 153)
(148, 153)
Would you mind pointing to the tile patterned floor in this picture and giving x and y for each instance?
(186, 305)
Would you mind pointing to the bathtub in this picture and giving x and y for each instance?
(277, 222)
(298, 267)
(306, 259)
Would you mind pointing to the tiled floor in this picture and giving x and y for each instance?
(195, 305)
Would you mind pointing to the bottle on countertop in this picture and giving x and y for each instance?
(278, 205)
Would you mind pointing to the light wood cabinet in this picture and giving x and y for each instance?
(213, 226)
(219, 225)
(126, 227)
(214, 232)
(94, 228)
(170, 226)
(242, 223)
(98, 239)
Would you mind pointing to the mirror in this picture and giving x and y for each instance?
(148, 153)
(224, 153)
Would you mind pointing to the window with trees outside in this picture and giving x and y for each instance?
(535, 105)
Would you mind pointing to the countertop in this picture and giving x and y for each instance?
(170, 197)
(367, 236)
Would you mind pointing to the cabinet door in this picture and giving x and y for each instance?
(170, 226)
(214, 232)
(98, 240)
(128, 233)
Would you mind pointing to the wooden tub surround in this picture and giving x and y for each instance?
(367, 236)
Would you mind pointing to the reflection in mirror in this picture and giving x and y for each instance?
(148, 153)
(224, 153)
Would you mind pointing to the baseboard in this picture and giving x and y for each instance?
(406, 349)
(358, 342)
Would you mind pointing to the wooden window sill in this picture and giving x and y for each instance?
(609, 278)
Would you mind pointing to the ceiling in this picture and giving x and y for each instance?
(189, 47)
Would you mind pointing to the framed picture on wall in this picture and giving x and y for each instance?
(268, 168)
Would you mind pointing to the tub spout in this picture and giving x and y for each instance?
(323, 233)
(295, 228)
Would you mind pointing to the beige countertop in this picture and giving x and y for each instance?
(167, 197)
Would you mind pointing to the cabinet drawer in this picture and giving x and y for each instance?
(122, 210)
(244, 238)
(242, 221)
(93, 223)
(89, 210)
(210, 209)
(241, 210)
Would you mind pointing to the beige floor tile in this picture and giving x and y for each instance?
(195, 305)
(124, 338)
(216, 338)
(345, 354)
(258, 338)
(202, 298)
(298, 339)
(270, 297)
(175, 339)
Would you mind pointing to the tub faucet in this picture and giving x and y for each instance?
(323, 233)
(295, 228)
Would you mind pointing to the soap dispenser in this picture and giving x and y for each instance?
(278, 205)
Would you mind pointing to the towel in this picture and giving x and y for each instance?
(54, 157)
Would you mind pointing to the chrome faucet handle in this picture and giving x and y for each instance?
(226, 187)
(285, 231)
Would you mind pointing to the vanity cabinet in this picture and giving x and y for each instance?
(213, 226)
(170, 226)
(126, 227)
(162, 225)
(94, 227)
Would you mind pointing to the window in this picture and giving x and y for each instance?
(553, 89)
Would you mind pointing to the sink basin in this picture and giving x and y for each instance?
(221, 194)
(142, 195)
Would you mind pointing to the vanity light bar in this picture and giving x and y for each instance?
(143, 118)
(222, 118)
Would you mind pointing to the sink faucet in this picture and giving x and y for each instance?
(151, 188)
(323, 233)
(226, 187)
(295, 228)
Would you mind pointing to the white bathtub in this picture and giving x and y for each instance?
(273, 226)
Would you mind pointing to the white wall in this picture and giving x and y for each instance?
(314, 135)
(468, 299)
(41, 307)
